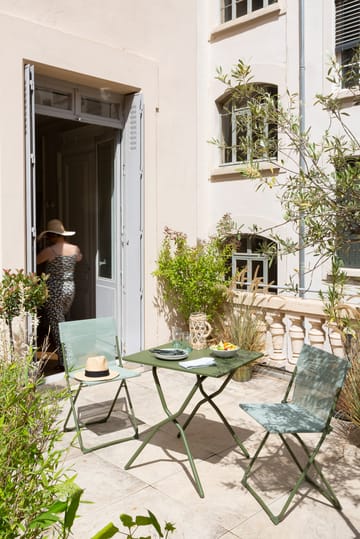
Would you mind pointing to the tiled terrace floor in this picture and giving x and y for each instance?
(160, 479)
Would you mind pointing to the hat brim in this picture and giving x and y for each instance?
(83, 378)
(66, 233)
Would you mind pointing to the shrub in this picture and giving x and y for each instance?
(190, 278)
(29, 459)
(21, 292)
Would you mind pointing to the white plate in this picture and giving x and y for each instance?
(171, 356)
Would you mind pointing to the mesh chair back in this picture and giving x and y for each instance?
(84, 338)
(319, 376)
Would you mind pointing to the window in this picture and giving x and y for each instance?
(349, 224)
(257, 264)
(348, 40)
(93, 105)
(232, 9)
(244, 135)
(96, 107)
(49, 97)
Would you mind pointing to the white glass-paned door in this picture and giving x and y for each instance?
(106, 260)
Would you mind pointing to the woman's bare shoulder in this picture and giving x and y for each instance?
(44, 255)
(70, 249)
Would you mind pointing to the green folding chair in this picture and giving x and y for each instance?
(307, 407)
(94, 338)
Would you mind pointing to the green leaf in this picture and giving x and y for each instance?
(105, 533)
(72, 508)
(127, 520)
(169, 526)
(155, 523)
(142, 520)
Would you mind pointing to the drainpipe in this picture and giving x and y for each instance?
(302, 129)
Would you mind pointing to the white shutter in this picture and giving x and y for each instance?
(132, 226)
(347, 24)
(30, 168)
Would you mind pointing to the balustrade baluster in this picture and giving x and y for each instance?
(297, 336)
(277, 332)
(316, 332)
(335, 341)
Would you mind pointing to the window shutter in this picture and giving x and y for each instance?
(132, 226)
(347, 24)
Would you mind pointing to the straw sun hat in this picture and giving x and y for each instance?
(96, 369)
(55, 226)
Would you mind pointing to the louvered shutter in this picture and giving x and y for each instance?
(132, 227)
(347, 24)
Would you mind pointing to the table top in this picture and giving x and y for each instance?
(221, 367)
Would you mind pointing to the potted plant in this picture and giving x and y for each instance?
(190, 279)
(243, 324)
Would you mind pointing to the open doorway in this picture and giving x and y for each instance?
(84, 166)
(75, 182)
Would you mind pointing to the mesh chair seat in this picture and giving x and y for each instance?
(284, 417)
(122, 373)
(315, 384)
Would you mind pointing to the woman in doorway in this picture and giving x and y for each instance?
(60, 258)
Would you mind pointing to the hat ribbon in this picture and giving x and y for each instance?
(96, 374)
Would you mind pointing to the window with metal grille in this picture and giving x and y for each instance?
(257, 264)
(232, 9)
(347, 40)
(349, 223)
(244, 135)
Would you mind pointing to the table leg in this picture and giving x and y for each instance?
(209, 399)
(171, 417)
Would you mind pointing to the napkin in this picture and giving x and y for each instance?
(201, 362)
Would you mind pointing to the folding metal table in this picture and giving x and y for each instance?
(223, 367)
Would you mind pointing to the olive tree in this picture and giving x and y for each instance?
(323, 194)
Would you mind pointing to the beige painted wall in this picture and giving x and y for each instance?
(141, 46)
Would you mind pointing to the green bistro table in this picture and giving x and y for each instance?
(223, 367)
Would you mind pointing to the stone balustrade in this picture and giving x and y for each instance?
(288, 322)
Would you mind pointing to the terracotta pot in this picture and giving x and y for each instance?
(243, 374)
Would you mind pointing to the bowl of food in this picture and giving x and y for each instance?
(224, 349)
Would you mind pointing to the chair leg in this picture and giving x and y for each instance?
(244, 482)
(79, 425)
(326, 490)
(131, 411)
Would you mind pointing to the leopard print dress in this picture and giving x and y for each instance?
(61, 289)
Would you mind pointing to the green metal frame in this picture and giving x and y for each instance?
(74, 393)
(326, 490)
(79, 425)
(209, 398)
(220, 369)
(171, 417)
(324, 487)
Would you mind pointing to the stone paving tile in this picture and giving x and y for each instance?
(161, 480)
